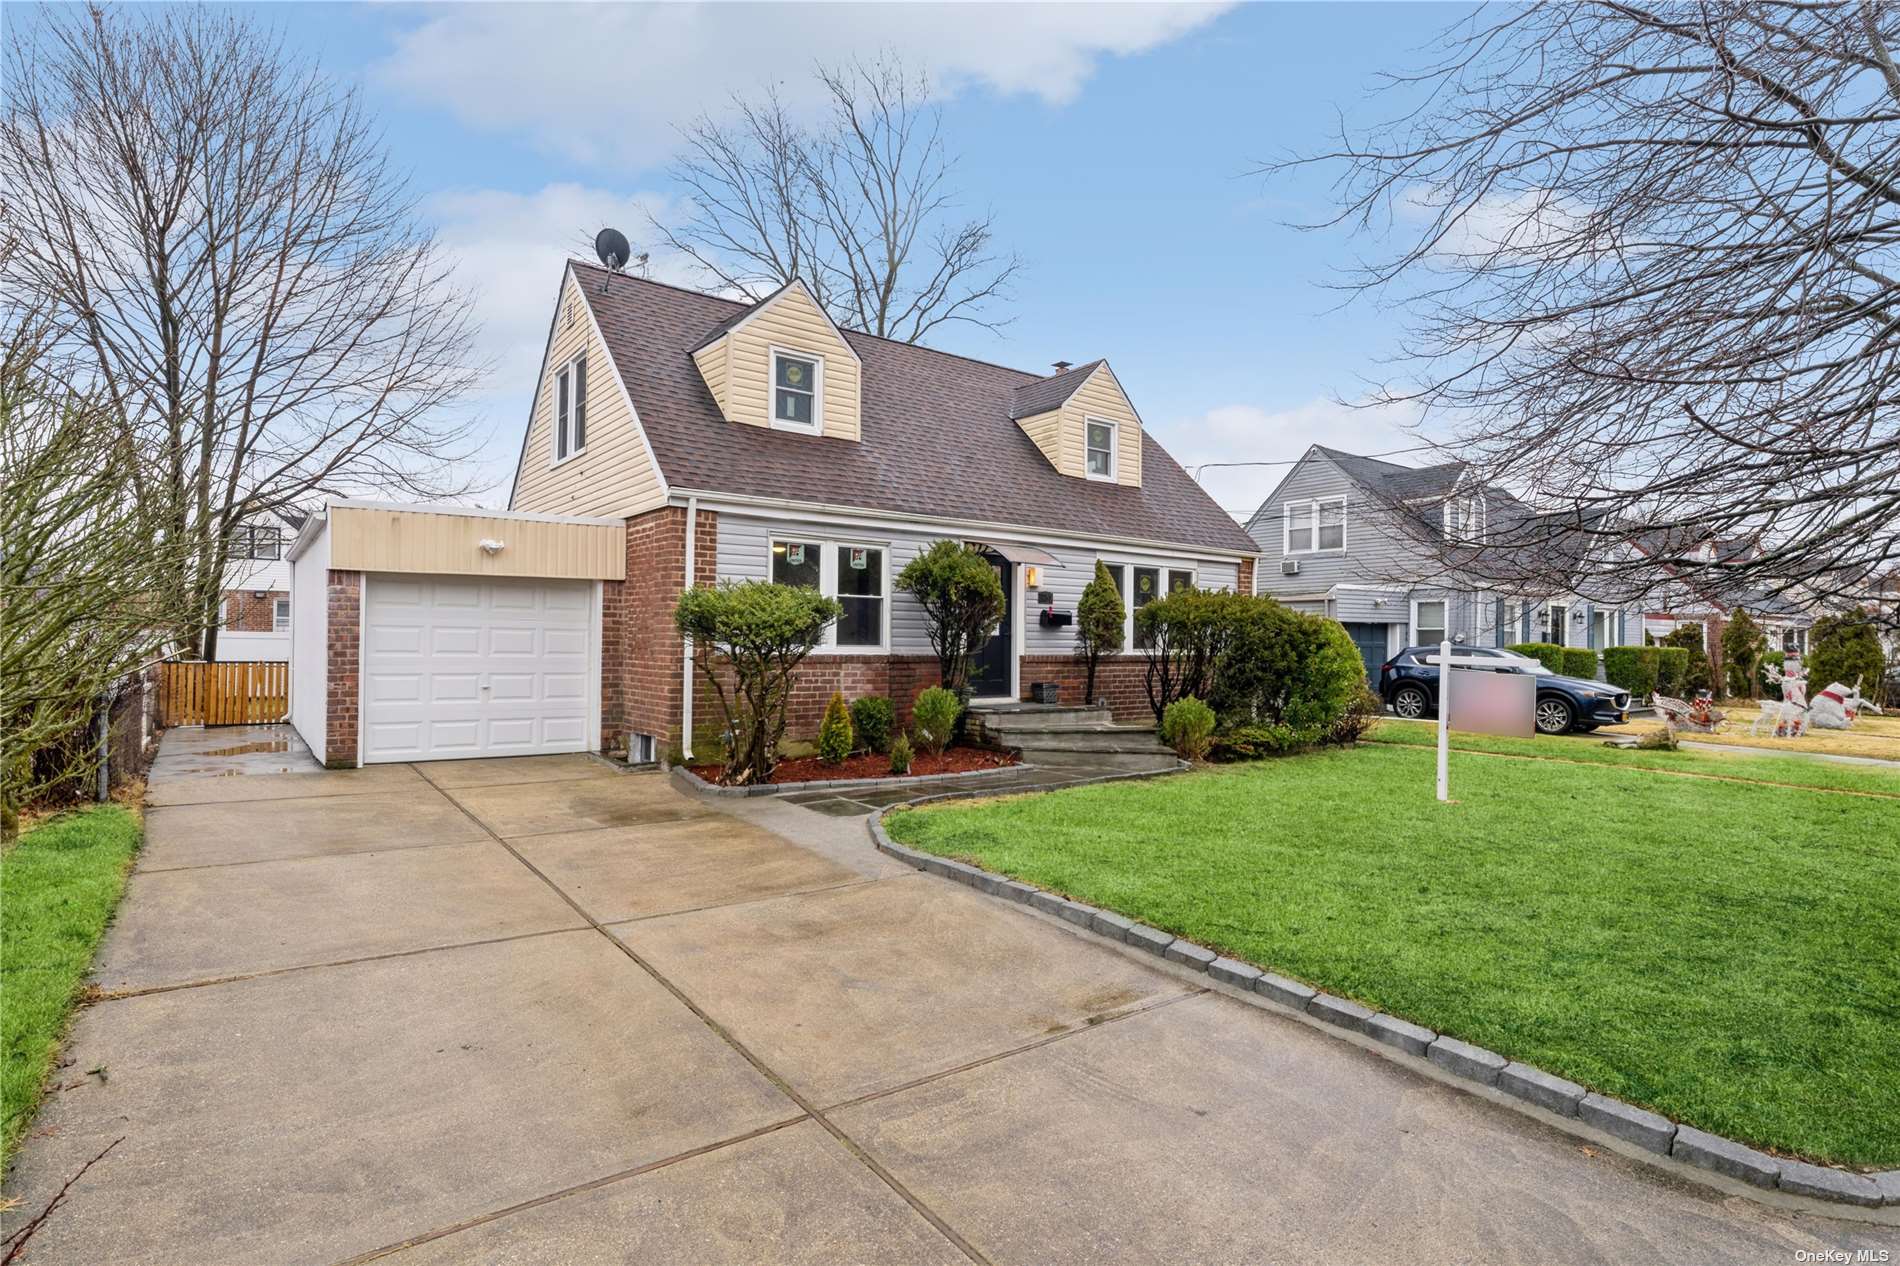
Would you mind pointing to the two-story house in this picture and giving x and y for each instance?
(1376, 546)
(254, 617)
(680, 438)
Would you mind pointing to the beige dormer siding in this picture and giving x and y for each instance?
(1060, 433)
(615, 474)
(1046, 429)
(737, 366)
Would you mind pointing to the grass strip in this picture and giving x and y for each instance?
(59, 884)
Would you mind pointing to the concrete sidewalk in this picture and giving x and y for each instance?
(541, 1011)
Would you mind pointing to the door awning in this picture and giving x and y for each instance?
(1022, 554)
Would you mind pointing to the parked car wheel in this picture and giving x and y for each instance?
(1554, 715)
(1411, 702)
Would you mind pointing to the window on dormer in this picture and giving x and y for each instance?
(1101, 449)
(1465, 519)
(795, 400)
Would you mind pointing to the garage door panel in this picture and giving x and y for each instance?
(512, 641)
(455, 667)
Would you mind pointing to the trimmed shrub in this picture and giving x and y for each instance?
(1696, 673)
(1672, 670)
(1579, 661)
(1634, 668)
(962, 601)
(1098, 624)
(835, 739)
(1183, 635)
(1845, 648)
(934, 717)
(1187, 726)
(1253, 742)
(1549, 654)
(761, 633)
(900, 755)
(874, 718)
(1743, 644)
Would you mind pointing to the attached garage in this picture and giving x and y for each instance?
(425, 633)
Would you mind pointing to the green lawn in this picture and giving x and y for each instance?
(1803, 771)
(1721, 952)
(58, 887)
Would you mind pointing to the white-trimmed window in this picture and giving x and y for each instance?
(570, 409)
(280, 616)
(856, 575)
(1315, 526)
(1429, 623)
(797, 391)
(1101, 439)
(1141, 583)
(1464, 519)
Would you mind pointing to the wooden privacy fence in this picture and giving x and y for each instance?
(242, 692)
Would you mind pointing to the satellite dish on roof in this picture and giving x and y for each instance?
(612, 247)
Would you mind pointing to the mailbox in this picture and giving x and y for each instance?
(1054, 619)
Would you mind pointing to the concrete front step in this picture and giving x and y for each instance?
(1046, 758)
(1106, 739)
(1009, 717)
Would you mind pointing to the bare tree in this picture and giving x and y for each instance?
(861, 208)
(1648, 255)
(219, 240)
(85, 599)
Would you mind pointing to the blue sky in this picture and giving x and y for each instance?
(1113, 143)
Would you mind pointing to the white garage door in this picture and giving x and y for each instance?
(455, 666)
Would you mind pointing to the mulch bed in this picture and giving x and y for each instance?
(955, 760)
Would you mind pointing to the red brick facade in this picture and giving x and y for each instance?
(641, 652)
(899, 678)
(1244, 584)
(246, 613)
(345, 598)
(1121, 679)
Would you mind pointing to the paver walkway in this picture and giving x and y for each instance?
(540, 1011)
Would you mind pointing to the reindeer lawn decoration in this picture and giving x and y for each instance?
(1699, 715)
(1789, 717)
(1837, 707)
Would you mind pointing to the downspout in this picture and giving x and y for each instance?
(686, 643)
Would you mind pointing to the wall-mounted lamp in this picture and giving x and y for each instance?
(1032, 577)
(492, 547)
(260, 593)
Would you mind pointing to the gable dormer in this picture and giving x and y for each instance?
(782, 364)
(1083, 423)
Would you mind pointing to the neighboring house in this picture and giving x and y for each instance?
(1371, 544)
(254, 621)
(715, 441)
(1782, 617)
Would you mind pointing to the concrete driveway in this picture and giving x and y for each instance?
(539, 1011)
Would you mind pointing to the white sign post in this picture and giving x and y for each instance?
(1444, 721)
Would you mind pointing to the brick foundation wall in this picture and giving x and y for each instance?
(641, 651)
(244, 613)
(1121, 679)
(341, 719)
(899, 678)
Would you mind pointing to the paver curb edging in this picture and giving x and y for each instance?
(692, 782)
(1551, 1099)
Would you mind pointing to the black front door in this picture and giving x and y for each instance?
(989, 670)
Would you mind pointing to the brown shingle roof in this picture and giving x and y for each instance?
(1049, 393)
(937, 437)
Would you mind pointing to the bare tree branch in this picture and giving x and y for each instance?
(861, 209)
(218, 237)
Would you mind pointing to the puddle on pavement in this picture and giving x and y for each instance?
(244, 749)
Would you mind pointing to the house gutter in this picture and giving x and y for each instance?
(686, 643)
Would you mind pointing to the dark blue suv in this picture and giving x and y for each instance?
(1409, 687)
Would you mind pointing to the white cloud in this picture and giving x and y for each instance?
(1248, 433)
(607, 84)
(510, 249)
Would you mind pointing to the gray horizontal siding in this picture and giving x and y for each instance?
(744, 553)
(1376, 553)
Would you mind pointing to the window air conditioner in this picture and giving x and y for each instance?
(1289, 567)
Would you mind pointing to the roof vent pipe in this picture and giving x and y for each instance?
(1062, 366)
